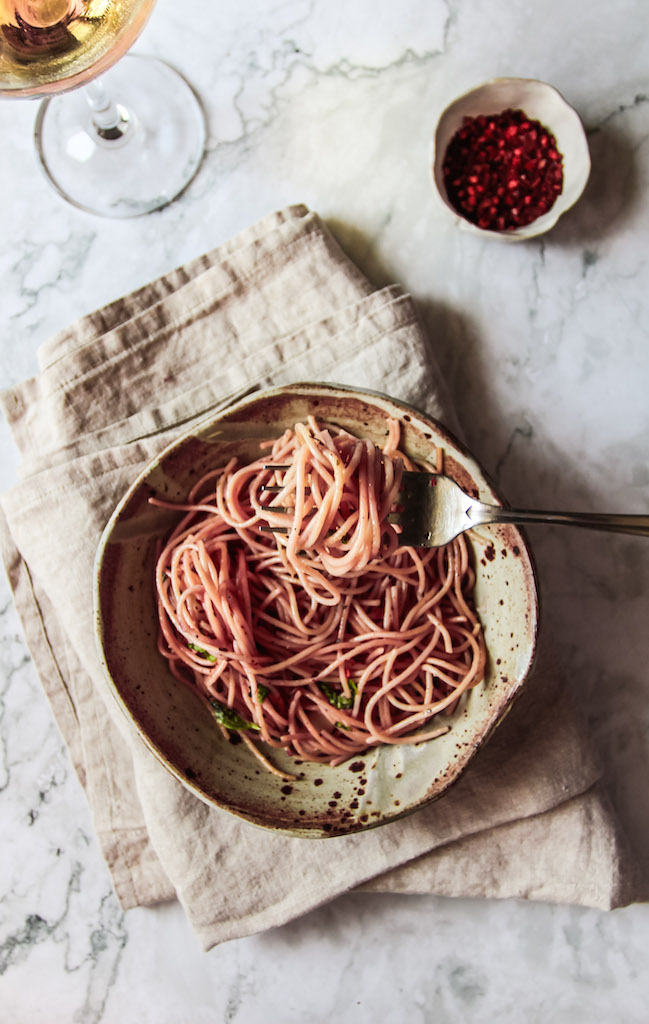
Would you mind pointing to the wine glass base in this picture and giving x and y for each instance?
(134, 172)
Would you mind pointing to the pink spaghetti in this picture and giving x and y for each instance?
(307, 626)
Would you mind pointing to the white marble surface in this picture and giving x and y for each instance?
(545, 348)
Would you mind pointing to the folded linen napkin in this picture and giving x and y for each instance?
(279, 303)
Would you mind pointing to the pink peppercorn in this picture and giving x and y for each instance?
(502, 171)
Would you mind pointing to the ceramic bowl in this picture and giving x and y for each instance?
(541, 102)
(384, 783)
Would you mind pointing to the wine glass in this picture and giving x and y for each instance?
(124, 144)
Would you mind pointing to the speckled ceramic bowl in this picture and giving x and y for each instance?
(370, 790)
(541, 102)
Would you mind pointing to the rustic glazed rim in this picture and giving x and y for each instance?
(475, 101)
(275, 822)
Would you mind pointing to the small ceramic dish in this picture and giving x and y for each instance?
(541, 102)
(386, 782)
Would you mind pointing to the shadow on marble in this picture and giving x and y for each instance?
(451, 335)
(612, 195)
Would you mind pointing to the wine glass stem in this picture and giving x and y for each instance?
(110, 120)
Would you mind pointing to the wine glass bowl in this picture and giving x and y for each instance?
(133, 137)
(50, 46)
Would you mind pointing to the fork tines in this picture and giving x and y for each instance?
(274, 489)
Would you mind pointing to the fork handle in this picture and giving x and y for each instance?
(635, 525)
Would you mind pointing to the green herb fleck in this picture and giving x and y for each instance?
(203, 653)
(339, 700)
(341, 725)
(230, 719)
(262, 692)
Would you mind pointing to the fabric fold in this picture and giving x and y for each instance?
(278, 304)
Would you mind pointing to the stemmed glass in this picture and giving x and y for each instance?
(125, 143)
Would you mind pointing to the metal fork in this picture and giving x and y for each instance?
(433, 510)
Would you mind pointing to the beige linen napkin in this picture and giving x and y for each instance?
(279, 303)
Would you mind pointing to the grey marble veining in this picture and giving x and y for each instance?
(544, 348)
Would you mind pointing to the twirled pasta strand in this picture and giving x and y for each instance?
(329, 638)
